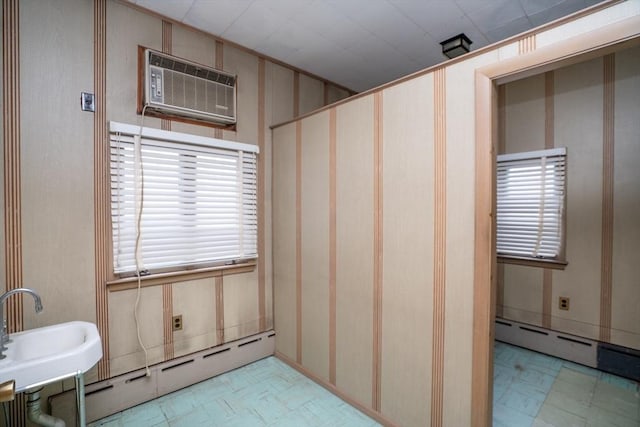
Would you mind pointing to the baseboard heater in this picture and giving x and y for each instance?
(558, 344)
(618, 360)
(606, 357)
(125, 391)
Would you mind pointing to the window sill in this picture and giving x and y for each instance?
(180, 276)
(530, 262)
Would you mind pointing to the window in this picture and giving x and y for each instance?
(194, 199)
(531, 204)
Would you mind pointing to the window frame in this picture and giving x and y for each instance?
(559, 261)
(180, 272)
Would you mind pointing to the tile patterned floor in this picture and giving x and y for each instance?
(530, 390)
(535, 390)
(265, 393)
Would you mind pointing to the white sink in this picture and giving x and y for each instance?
(42, 355)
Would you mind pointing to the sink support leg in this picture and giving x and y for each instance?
(80, 405)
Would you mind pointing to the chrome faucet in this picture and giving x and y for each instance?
(4, 336)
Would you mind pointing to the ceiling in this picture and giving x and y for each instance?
(361, 44)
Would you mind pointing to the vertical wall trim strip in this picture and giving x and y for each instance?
(527, 44)
(502, 142)
(101, 198)
(167, 314)
(607, 197)
(167, 289)
(440, 241)
(219, 290)
(549, 142)
(165, 124)
(261, 196)
(296, 94)
(377, 251)
(299, 241)
(12, 196)
(219, 64)
(11, 134)
(332, 245)
(486, 130)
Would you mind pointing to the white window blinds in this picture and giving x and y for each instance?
(196, 196)
(530, 203)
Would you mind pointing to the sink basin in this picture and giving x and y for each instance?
(42, 355)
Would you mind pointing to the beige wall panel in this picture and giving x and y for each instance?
(311, 94)
(196, 302)
(407, 287)
(460, 217)
(241, 314)
(315, 244)
(197, 47)
(126, 354)
(57, 160)
(267, 152)
(245, 66)
(508, 51)
(336, 94)
(126, 29)
(524, 131)
(354, 248)
(193, 45)
(280, 94)
(523, 294)
(525, 115)
(578, 126)
(583, 25)
(284, 239)
(625, 318)
(240, 305)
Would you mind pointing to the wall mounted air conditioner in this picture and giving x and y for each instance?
(178, 87)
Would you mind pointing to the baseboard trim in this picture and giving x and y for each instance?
(565, 346)
(133, 388)
(333, 389)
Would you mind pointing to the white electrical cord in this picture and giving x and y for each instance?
(137, 144)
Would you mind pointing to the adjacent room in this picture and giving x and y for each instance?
(565, 282)
(320, 213)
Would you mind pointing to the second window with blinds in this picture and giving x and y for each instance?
(180, 201)
(531, 196)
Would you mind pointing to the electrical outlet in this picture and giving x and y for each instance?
(563, 303)
(176, 322)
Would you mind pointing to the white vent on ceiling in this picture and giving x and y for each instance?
(178, 87)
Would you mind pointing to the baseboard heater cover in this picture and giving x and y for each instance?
(565, 346)
(125, 391)
(617, 360)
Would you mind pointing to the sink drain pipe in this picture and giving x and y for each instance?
(35, 414)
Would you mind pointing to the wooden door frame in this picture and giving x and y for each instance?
(611, 38)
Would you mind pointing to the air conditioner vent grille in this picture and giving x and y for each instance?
(189, 90)
(182, 90)
(191, 69)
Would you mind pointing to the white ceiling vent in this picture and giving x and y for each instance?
(179, 87)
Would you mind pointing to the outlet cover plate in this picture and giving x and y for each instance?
(176, 322)
(87, 102)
